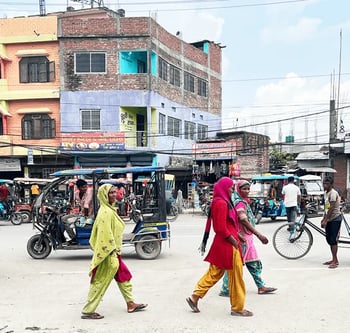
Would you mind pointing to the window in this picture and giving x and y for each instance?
(90, 120)
(38, 126)
(174, 76)
(174, 126)
(189, 130)
(90, 62)
(163, 69)
(161, 128)
(188, 82)
(36, 69)
(202, 132)
(202, 88)
(141, 66)
(133, 62)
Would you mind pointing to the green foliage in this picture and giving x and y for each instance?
(279, 159)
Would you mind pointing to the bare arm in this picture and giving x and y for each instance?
(243, 220)
(329, 213)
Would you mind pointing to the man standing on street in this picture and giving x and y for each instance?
(331, 220)
(292, 197)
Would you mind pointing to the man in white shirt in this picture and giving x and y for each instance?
(292, 197)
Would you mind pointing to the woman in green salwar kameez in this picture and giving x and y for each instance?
(106, 264)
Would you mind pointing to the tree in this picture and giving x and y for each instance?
(279, 159)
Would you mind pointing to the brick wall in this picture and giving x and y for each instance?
(340, 177)
(113, 34)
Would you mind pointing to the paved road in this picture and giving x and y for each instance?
(47, 295)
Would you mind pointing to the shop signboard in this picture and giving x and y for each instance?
(10, 164)
(214, 150)
(92, 141)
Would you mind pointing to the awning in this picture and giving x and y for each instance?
(320, 169)
(4, 111)
(32, 53)
(33, 110)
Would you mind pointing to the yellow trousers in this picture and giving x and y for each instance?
(235, 282)
(102, 279)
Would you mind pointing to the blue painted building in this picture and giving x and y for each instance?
(131, 92)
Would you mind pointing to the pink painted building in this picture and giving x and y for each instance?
(29, 95)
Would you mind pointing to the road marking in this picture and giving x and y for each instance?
(63, 273)
(308, 269)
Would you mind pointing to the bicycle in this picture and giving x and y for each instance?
(294, 242)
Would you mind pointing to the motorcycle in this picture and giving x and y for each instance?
(8, 213)
(267, 208)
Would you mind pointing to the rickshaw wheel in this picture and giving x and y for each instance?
(38, 247)
(25, 216)
(148, 247)
(135, 216)
(173, 213)
(16, 218)
(258, 218)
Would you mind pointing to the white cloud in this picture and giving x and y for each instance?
(304, 29)
(293, 97)
(285, 11)
(194, 26)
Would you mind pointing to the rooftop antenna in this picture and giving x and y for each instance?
(279, 132)
(42, 7)
(306, 130)
(339, 72)
(99, 3)
(341, 123)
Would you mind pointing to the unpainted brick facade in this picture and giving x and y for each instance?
(106, 31)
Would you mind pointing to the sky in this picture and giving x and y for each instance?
(282, 61)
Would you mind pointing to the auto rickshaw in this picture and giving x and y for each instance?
(146, 237)
(266, 196)
(24, 197)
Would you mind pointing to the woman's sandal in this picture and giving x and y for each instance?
(138, 308)
(192, 305)
(93, 315)
(244, 313)
(266, 290)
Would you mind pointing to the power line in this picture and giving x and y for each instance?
(271, 3)
(269, 122)
(280, 78)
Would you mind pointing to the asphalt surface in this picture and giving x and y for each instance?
(48, 295)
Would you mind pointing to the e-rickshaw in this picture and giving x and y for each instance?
(24, 197)
(146, 237)
(266, 196)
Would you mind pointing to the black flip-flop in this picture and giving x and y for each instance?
(244, 313)
(139, 307)
(93, 315)
(192, 305)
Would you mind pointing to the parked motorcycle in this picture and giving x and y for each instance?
(267, 208)
(8, 213)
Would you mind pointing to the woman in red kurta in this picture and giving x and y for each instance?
(224, 254)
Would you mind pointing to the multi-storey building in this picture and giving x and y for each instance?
(92, 87)
(131, 92)
(29, 96)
